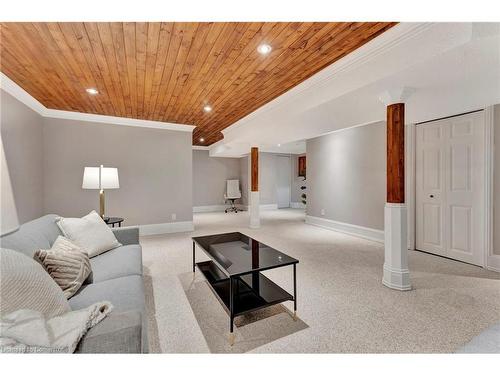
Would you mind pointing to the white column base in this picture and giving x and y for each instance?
(396, 273)
(254, 208)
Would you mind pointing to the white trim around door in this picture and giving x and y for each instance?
(410, 182)
(491, 261)
(488, 259)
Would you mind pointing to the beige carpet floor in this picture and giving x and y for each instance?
(342, 304)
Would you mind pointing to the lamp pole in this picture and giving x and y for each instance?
(101, 193)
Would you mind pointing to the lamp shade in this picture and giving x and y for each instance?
(109, 178)
(91, 178)
(100, 178)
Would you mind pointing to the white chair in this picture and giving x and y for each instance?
(232, 193)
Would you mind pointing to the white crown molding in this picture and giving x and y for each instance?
(67, 115)
(20, 94)
(202, 148)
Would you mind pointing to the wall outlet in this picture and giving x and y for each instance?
(174, 217)
(322, 212)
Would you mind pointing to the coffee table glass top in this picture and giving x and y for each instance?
(237, 254)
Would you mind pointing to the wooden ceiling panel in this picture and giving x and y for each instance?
(169, 71)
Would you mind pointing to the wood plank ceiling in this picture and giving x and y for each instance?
(170, 71)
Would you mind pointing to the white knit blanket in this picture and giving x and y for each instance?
(28, 331)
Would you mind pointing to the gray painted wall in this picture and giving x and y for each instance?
(209, 177)
(244, 179)
(346, 176)
(154, 167)
(21, 132)
(267, 178)
(297, 181)
(496, 177)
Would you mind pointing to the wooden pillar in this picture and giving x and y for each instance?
(254, 154)
(396, 153)
(254, 204)
(395, 271)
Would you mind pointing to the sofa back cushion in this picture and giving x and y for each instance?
(37, 234)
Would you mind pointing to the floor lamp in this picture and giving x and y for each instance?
(100, 178)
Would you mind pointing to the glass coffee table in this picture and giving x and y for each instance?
(234, 273)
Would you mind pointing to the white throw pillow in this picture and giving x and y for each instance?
(90, 232)
(26, 285)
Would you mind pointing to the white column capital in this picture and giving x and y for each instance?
(396, 95)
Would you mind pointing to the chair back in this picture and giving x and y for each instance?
(233, 189)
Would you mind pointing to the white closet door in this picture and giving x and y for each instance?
(449, 187)
(430, 189)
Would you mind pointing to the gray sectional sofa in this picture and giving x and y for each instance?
(116, 277)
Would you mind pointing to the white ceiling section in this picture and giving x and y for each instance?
(452, 67)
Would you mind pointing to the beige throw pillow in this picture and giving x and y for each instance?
(90, 232)
(67, 264)
(26, 285)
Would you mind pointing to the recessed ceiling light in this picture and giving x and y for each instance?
(264, 49)
(92, 91)
(207, 108)
(202, 140)
(279, 144)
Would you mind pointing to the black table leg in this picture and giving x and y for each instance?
(294, 291)
(231, 311)
(194, 264)
(120, 224)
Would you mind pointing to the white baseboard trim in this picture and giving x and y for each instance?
(212, 208)
(493, 262)
(354, 230)
(273, 206)
(164, 228)
(297, 205)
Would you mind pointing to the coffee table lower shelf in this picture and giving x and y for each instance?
(251, 291)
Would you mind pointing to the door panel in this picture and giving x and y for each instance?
(432, 225)
(460, 171)
(432, 168)
(429, 189)
(461, 229)
(449, 187)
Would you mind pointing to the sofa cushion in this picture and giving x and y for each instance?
(125, 293)
(127, 235)
(118, 333)
(119, 262)
(37, 234)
